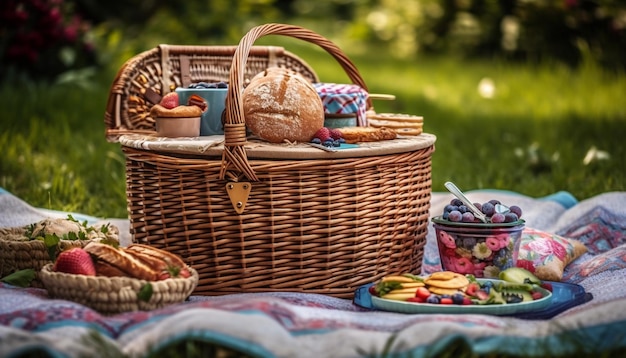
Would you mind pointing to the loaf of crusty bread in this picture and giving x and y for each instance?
(367, 134)
(280, 105)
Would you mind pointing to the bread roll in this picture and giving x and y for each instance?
(281, 105)
(177, 112)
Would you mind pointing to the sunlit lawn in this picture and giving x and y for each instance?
(531, 136)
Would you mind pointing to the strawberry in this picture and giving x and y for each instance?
(170, 100)
(75, 261)
(423, 293)
(547, 286)
(322, 134)
(335, 134)
(416, 299)
(536, 295)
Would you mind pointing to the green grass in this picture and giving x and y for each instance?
(531, 137)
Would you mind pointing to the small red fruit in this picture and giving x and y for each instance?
(481, 295)
(170, 100)
(322, 134)
(372, 290)
(75, 261)
(472, 288)
(536, 295)
(446, 301)
(335, 133)
(416, 299)
(547, 286)
(423, 293)
(467, 301)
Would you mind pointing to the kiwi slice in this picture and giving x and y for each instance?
(519, 275)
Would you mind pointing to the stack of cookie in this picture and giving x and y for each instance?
(402, 124)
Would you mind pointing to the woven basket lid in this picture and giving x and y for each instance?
(212, 146)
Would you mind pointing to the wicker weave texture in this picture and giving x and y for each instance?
(162, 69)
(111, 295)
(309, 226)
(17, 252)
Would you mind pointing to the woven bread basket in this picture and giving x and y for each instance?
(19, 252)
(112, 295)
(313, 221)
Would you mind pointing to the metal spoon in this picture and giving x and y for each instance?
(459, 194)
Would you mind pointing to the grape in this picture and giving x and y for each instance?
(497, 218)
(488, 209)
(455, 216)
(456, 202)
(478, 206)
(457, 298)
(448, 208)
(467, 217)
(517, 210)
(495, 201)
(510, 217)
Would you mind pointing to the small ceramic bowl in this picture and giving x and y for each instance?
(178, 126)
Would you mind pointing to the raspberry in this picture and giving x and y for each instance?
(323, 134)
(335, 134)
(170, 100)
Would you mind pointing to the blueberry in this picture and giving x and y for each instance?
(455, 216)
(463, 209)
(432, 299)
(222, 85)
(467, 217)
(517, 210)
(448, 208)
(510, 217)
(328, 142)
(488, 209)
(456, 202)
(316, 141)
(457, 298)
(336, 143)
(497, 218)
(445, 215)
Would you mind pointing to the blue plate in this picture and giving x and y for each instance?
(564, 296)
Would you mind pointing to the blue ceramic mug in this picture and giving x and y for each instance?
(215, 99)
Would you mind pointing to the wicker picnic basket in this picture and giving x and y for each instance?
(252, 216)
(19, 252)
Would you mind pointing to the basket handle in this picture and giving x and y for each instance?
(234, 156)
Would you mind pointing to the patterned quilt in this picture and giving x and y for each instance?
(311, 325)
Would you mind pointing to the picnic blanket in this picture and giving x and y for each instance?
(312, 325)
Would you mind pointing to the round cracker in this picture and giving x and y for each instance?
(443, 291)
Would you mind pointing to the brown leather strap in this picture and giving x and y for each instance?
(185, 75)
(151, 96)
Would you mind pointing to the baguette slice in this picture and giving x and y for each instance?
(120, 261)
(154, 256)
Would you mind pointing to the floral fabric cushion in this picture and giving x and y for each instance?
(546, 255)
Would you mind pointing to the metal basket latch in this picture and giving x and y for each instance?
(238, 192)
